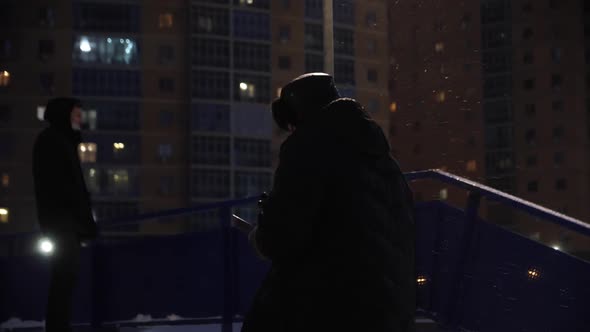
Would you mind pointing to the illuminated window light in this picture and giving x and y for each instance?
(439, 47)
(4, 215)
(5, 180)
(85, 45)
(472, 166)
(441, 96)
(41, 113)
(166, 20)
(243, 86)
(4, 78)
(444, 194)
(393, 107)
(87, 152)
(534, 274)
(421, 280)
(119, 146)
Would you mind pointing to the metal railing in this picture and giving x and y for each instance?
(230, 254)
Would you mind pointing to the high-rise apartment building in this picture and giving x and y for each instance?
(176, 94)
(496, 89)
(436, 91)
(127, 62)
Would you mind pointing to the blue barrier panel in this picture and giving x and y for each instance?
(470, 273)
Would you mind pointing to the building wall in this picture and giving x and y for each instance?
(435, 73)
(46, 60)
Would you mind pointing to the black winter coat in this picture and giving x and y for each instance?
(63, 202)
(338, 227)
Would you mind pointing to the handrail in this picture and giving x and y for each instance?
(511, 200)
(138, 219)
(491, 193)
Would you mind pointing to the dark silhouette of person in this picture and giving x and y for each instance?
(338, 224)
(63, 204)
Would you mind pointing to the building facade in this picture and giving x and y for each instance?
(505, 80)
(176, 94)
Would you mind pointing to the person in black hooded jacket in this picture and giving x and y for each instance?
(338, 223)
(63, 204)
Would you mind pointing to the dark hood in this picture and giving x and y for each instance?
(58, 113)
(302, 97)
(348, 127)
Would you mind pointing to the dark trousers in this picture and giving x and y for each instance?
(65, 264)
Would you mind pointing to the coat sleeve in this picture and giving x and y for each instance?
(52, 192)
(285, 227)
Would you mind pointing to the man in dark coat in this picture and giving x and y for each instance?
(338, 224)
(63, 204)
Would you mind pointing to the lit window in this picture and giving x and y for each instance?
(87, 152)
(118, 146)
(444, 194)
(4, 215)
(105, 50)
(279, 92)
(441, 96)
(439, 47)
(421, 280)
(393, 107)
(4, 78)
(534, 274)
(5, 180)
(119, 180)
(92, 181)
(472, 166)
(247, 90)
(40, 112)
(89, 119)
(166, 21)
(246, 2)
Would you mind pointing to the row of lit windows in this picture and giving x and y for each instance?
(92, 49)
(112, 181)
(89, 152)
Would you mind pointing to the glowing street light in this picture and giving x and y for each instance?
(243, 86)
(46, 247)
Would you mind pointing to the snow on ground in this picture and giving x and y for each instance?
(16, 323)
